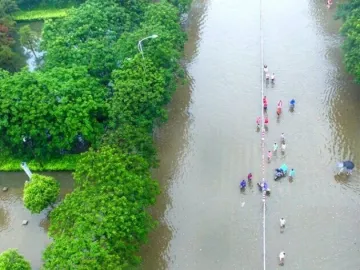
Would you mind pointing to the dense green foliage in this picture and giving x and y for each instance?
(40, 192)
(7, 32)
(81, 41)
(182, 5)
(350, 14)
(46, 114)
(12, 260)
(96, 90)
(138, 101)
(102, 224)
(164, 51)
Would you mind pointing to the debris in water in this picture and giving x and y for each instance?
(25, 222)
(242, 205)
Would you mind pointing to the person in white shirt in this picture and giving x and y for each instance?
(266, 70)
(283, 147)
(282, 137)
(282, 257)
(282, 223)
(273, 77)
(267, 76)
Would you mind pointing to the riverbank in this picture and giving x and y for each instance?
(40, 14)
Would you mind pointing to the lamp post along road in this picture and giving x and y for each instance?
(140, 44)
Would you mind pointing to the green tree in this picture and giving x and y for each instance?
(12, 260)
(137, 103)
(29, 39)
(165, 51)
(7, 57)
(49, 113)
(345, 9)
(7, 31)
(28, 4)
(108, 230)
(40, 192)
(103, 222)
(182, 5)
(350, 13)
(139, 94)
(7, 7)
(86, 37)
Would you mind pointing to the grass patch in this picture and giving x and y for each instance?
(40, 14)
(65, 163)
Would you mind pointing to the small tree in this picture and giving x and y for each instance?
(29, 39)
(12, 260)
(40, 192)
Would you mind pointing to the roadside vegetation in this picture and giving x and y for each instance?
(97, 100)
(349, 13)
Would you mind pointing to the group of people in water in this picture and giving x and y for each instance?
(263, 186)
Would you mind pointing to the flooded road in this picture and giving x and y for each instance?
(31, 239)
(210, 143)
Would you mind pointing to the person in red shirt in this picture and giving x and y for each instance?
(266, 121)
(265, 102)
(258, 122)
(279, 107)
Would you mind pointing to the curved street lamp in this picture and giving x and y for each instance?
(140, 45)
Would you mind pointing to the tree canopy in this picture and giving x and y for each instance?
(164, 51)
(102, 222)
(12, 260)
(40, 192)
(89, 42)
(7, 32)
(350, 13)
(47, 113)
(96, 91)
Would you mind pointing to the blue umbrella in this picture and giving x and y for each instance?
(348, 164)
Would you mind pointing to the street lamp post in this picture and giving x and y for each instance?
(140, 45)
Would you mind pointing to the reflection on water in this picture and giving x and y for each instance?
(30, 239)
(210, 143)
(25, 56)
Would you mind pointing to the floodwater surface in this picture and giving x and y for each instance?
(210, 143)
(31, 239)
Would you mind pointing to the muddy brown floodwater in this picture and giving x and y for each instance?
(209, 143)
(31, 239)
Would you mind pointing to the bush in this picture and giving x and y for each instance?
(40, 192)
(12, 260)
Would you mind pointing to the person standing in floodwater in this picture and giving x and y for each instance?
(279, 107)
(258, 122)
(282, 137)
(266, 70)
(265, 103)
(266, 121)
(275, 147)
